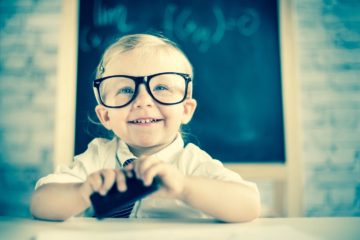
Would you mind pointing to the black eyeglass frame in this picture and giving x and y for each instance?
(141, 80)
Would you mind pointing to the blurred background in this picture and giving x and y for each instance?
(326, 46)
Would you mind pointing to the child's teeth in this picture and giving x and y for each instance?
(145, 121)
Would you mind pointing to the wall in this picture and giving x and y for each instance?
(28, 59)
(328, 46)
(328, 50)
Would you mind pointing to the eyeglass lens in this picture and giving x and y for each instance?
(165, 88)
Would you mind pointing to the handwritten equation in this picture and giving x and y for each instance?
(181, 23)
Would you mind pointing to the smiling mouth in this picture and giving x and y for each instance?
(144, 121)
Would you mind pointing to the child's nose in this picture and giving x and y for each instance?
(143, 98)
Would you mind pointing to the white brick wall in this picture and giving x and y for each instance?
(329, 68)
(28, 58)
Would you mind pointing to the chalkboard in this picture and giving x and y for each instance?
(234, 48)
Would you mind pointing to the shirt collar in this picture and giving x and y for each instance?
(123, 152)
(167, 154)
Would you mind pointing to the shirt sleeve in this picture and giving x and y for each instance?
(202, 164)
(79, 169)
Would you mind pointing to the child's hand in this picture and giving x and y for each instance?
(101, 181)
(173, 181)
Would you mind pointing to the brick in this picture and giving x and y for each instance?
(26, 118)
(318, 117)
(313, 157)
(334, 136)
(17, 138)
(14, 43)
(328, 76)
(28, 77)
(53, 6)
(329, 176)
(342, 12)
(305, 6)
(13, 22)
(343, 196)
(31, 154)
(15, 157)
(50, 82)
(332, 56)
(316, 201)
(345, 119)
(50, 40)
(9, 84)
(43, 139)
(17, 5)
(320, 151)
(15, 61)
(44, 61)
(345, 84)
(44, 100)
(345, 158)
(314, 198)
(13, 101)
(332, 99)
(334, 119)
(45, 22)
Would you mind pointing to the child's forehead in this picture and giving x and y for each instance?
(146, 61)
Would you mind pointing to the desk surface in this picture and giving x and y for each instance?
(263, 228)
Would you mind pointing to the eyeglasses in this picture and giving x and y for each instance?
(117, 91)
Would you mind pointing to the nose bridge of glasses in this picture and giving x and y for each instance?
(143, 93)
(141, 80)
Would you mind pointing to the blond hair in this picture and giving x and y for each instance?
(135, 41)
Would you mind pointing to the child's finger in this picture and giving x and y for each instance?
(155, 169)
(128, 170)
(136, 165)
(130, 166)
(95, 181)
(128, 173)
(108, 176)
(120, 181)
(146, 164)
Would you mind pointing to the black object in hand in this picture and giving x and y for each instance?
(114, 201)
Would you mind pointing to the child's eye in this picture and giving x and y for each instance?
(160, 88)
(125, 90)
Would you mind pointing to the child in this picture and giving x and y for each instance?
(145, 114)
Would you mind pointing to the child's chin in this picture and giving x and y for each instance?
(147, 143)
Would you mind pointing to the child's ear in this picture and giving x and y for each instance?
(103, 115)
(189, 109)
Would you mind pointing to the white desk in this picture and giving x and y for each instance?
(264, 228)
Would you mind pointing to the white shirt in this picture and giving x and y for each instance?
(189, 160)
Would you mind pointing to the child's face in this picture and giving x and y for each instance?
(150, 136)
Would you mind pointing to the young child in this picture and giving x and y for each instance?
(144, 94)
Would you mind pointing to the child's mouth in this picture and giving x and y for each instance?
(144, 121)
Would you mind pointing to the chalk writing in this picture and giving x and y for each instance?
(181, 23)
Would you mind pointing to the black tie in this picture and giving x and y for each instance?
(126, 211)
(127, 162)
